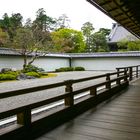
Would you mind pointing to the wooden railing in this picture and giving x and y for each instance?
(133, 71)
(113, 83)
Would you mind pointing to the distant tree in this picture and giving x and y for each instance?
(133, 45)
(122, 44)
(104, 31)
(28, 44)
(99, 42)
(3, 38)
(126, 45)
(11, 24)
(62, 22)
(44, 22)
(87, 30)
(68, 41)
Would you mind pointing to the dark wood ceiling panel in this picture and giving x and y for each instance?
(125, 12)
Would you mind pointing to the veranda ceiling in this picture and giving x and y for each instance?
(125, 12)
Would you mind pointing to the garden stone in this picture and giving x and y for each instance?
(22, 76)
(3, 70)
(31, 77)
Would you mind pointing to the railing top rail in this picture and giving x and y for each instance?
(55, 85)
(127, 67)
(52, 99)
(14, 111)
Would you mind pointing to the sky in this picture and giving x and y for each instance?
(78, 11)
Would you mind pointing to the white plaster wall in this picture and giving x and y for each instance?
(11, 62)
(105, 63)
(48, 64)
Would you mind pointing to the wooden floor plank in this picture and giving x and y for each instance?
(115, 119)
(111, 126)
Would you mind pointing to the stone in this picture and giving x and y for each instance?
(22, 76)
(3, 70)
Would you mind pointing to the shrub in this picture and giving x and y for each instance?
(12, 72)
(43, 73)
(32, 68)
(64, 69)
(34, 74)
(79, 69)
(7, 76)
(69, 69)
(3, 70)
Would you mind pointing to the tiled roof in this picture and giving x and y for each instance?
(9, 52)
(118, 33)
(107, 54)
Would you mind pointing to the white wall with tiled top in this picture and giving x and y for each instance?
(48, 64)
(105, 63)
(52, 63)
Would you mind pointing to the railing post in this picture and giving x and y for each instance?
(69, 101)
(130, 73)
(125, 74)
(118, 70)
(108, 84)
(93, 91)
(24, 118)
(137, 72)
(118, 74)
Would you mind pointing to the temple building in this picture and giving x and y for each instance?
(117, 34)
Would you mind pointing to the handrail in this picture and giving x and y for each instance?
(44, 87)
(132, 73)
(24, 112)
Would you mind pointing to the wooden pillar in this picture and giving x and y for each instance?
(130, 73)
(70, 62)
(118, 70)
(125, 74)
(137, 71)
(69, 101)
(108, 84)
(24, 118)
(93, 91)
(118, 74)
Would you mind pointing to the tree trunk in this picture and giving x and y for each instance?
(25, 61)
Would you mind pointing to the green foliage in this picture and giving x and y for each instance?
(133, 46)
(122, 44)
(34, 74)
(87, 30)
(99, 42)
(65, 69)
(43, 73)
(32, 68)
(7, 76)
(44, 22)
(95, 42)
(15, 73)
(79, 69)
(68, 40)
(23, 40)
(11, 24)
(125, 45)
(3, 37)
(104, 31)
